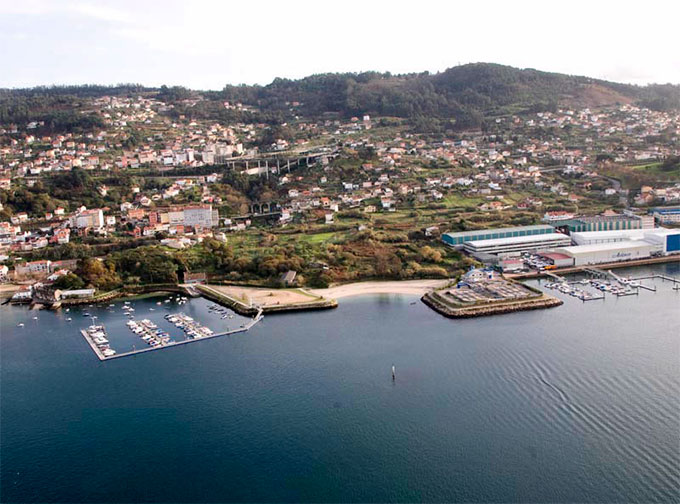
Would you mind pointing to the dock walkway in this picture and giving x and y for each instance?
(102, 357)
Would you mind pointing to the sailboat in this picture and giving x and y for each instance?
(394, 372)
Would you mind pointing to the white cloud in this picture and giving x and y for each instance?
(207, 43)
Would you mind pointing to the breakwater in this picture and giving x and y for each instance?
(440, 305)
(250, 310)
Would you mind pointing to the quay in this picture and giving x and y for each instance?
(259, 316)
(484, 292)
(580, 269)
(662, 277)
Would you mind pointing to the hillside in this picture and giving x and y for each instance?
(463, 96)
(458, 92)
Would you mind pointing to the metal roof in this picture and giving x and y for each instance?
(603, 247)
(511, 240)
(478, 232)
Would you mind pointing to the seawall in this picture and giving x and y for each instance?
(432, 300)
(247, 310)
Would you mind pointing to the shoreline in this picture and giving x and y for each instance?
(407, 287)
(248, 300)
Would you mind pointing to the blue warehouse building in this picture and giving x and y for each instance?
(456, 239)
(668, 215)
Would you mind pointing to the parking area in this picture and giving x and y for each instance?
(496, 289)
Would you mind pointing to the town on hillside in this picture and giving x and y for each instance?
(153, 194)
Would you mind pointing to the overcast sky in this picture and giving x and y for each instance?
(206, 44)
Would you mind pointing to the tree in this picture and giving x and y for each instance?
(70, 281)
(99, 274)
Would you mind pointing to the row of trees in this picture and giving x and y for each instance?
(369, 254)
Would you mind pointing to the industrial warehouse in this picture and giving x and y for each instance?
(517, 244)
(546, 247)
(492, 234)
(627, 250)
(609, 222)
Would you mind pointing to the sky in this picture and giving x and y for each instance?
(206, 44)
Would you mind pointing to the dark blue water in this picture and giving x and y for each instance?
(577, 403)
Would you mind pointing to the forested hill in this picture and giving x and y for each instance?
(463, 95)
(466, 92)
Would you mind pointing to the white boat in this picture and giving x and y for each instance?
(20, 324)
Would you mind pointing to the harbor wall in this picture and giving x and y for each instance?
(244, 309)
(434, 301)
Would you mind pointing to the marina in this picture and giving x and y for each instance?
(606, 282)
(149, 335)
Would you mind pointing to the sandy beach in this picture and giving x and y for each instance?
(267, 297)
(411, 287)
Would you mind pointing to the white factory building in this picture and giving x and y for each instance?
(611, 246)
(517, 244)
(595, 237)
(608, 252)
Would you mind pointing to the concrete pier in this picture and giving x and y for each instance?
(102, 357)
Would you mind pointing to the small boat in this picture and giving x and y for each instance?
(69, 319)
(394, 372)
(35, 318)
(20, 324)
